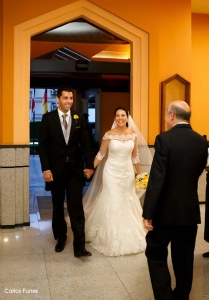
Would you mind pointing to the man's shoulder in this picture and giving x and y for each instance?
(174, 130)
(163, 134)
(74, 112)
(51, 113)
(184, 130)
(49, 116)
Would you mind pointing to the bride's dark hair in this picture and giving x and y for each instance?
(122, 108)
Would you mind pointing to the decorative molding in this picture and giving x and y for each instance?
(137, 38)
(168, 96)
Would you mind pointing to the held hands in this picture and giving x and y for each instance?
(47, 175)
(88, 173)
(148, 224)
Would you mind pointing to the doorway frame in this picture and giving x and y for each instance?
(137, 38)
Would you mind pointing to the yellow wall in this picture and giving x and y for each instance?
(200, 73)
(175, 39)
(145, 15)
(167, 22)
(174, 42)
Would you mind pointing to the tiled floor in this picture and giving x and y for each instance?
(30, 269)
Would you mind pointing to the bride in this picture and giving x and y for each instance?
(112, 208)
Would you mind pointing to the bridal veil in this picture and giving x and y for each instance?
(145, 157)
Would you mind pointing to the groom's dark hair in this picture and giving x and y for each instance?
(62, 88)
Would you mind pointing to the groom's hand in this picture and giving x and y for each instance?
(88, 173)
(47, 175)
(148, 224)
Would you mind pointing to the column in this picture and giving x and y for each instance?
(97, 122)
(14, 185)
(85, 102)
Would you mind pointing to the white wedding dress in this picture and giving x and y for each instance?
(114, 217)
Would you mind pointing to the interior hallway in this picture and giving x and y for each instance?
(28, 262)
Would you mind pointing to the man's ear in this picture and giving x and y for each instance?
(172, 115)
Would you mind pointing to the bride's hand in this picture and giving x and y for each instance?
(88, 173)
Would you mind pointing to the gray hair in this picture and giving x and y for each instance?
(180, 113)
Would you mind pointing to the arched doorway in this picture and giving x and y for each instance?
(138, 40)
(139, 60)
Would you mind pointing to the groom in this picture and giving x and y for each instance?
(171, 208)
(64, 146)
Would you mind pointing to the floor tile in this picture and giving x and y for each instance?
(28, 260)
(24, 267)
(128, 263)
(18, 243)
(91, 287)
(25, 290)
(65, 264)
(200, 287)
(138, 285)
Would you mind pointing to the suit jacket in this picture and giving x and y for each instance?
(54, 151)
(171, 197)
(206, 229)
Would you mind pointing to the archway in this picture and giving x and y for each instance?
(81, 8)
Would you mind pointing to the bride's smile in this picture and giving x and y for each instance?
(121, 118)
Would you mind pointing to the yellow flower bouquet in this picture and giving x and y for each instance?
(142, 181)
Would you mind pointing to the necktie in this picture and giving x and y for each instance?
(64, 121)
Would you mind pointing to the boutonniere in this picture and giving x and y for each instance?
(76, 117)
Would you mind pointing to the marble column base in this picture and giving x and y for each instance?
(14, 186)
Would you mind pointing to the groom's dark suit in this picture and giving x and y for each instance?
(66, 162)
(171, 202)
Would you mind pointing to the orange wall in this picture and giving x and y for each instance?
(167, 22)
(145, 15)
(175, 39)
(174, 42)
(16, 12)
(200, 73)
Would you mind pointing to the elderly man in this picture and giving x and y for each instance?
(171, 207)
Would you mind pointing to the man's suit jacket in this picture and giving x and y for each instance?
(206, 229)
(54, 151)
(171, 197)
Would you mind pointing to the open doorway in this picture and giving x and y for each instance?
(137, 38)
(90, 60)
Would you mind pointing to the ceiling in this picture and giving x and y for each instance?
(82, 40)
(77, 51)
(109, 46)
(83, 34)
